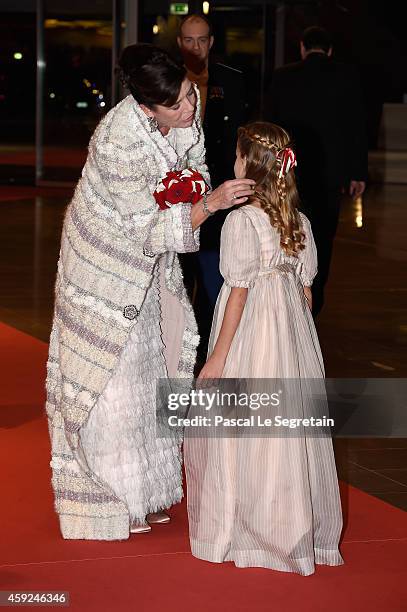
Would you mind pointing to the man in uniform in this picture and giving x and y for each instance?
(223, 110)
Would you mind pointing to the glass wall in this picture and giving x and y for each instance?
(77, 83)
(17, 93)
(57, 72)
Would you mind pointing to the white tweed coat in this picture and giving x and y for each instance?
(112, 235)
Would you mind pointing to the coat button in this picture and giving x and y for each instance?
(130, 312)
(148, 253)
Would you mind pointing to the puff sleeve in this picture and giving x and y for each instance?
(239, 251)
(307, 259)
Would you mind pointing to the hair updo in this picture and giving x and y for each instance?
(151, 75)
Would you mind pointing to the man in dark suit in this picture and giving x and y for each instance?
(222, 94)
(319, 102)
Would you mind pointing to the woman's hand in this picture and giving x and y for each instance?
(230, 193)
(226, 195)
(213, 368)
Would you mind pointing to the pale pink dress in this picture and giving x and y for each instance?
(267, 502)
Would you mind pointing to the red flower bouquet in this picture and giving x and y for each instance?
(180, 186)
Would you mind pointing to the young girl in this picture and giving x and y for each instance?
(267, 501)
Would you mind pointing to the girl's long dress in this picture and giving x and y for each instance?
(268, 501)
(119, 439)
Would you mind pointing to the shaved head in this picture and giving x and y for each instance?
(195, 19)
(195, 40)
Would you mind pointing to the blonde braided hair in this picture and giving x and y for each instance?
(261, 144)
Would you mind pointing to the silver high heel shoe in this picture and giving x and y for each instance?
(158, 518)
(140, 528)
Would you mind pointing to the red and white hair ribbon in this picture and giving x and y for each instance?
(287, 161)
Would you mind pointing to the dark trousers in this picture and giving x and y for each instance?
(322, 209)
(203, 281)
(203, 278)
(211, 277)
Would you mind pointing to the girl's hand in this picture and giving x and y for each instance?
(213, 368)
(308, 296)
(230, 193)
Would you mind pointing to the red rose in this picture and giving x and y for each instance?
(159, 197)
(195, 197)
(178, 192)
(170, 176)
(180, 186)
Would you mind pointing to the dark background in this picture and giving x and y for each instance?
(78, 41)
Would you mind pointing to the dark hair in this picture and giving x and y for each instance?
(151, 74)
(316, 38)
(195, 17)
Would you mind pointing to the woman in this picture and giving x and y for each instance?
(122, 317)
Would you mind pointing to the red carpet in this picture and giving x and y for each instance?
(156, 571)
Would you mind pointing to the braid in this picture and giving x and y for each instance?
(273, 195)
(281, 217)
(262, 140)
(281, 189)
